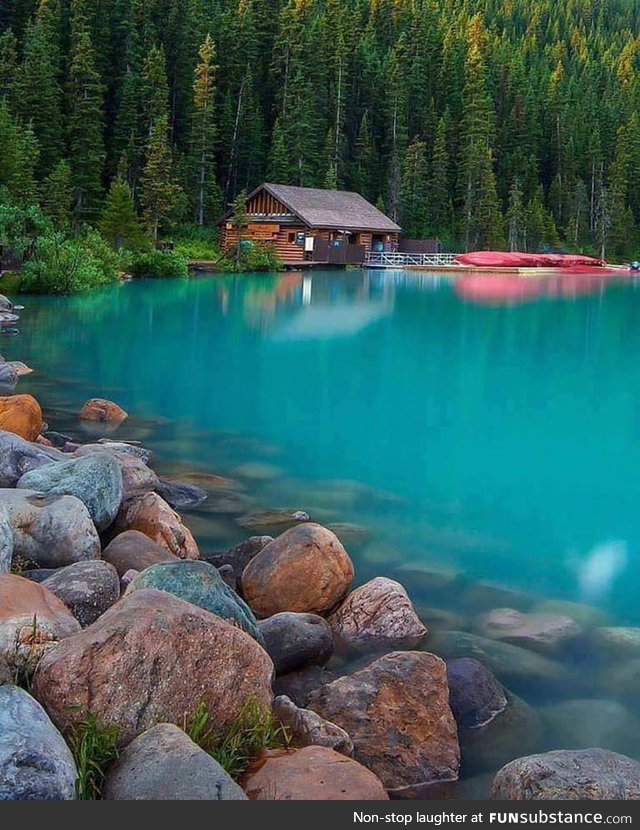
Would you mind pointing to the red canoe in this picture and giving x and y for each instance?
(516, 259)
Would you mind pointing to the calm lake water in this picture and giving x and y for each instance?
(489, 443)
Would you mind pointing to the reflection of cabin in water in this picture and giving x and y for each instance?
(312, 225)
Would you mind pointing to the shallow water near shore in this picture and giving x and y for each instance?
(482, 449)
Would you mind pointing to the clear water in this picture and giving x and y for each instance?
(499, 441)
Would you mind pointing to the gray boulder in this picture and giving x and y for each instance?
(181, 496)
(569, 775)
(475, 696)
(5, 305)
(105, 445)
(164, 764)
(35, 762)
(50, 531)
(8, 377)
(88, 589)
(200, 584)
(96, 480)
(18, 456)
(6, 541)
(294, 641)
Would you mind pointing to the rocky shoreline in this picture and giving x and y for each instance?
(263, 672)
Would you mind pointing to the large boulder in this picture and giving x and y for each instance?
(6, 541)
(518, 668)
(35, 762)
(18, 456)
(314, 773)
(154, 658)
(569, 775)
(586, 616)
(135, 551)
(96, 480)
(21, 414)
(200, 584)
(239, 556)
(306, 569)
(88, 589)
(137, 478)
(396, 711)
(377, 616)
(475, 695)
(546, 633)
(164, 764)
(307, 728)
(152, 516)
(98, 409)
(294, 641)
(50, 531)
(32, 621)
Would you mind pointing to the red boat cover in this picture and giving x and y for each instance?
(504, 259)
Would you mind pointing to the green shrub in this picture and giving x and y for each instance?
(193, 242)
(253, 731)
(158, 264)
(253, 258)
(94, 747)
(60, 265)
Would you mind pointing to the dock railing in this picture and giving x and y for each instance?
(386, 259)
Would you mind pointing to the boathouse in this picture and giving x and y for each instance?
(307, 224)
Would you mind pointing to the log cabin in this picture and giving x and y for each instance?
(306, 224)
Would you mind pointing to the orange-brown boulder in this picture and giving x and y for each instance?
(151, 515)
(133, 551)
(153, 658)
(396, 711)
(22, 415)
(32, 621)
(314, 773)
(98, 409)
(306, 569)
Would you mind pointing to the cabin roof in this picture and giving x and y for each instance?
(335, 209)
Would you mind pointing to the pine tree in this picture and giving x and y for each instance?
(515, 216)
(415, 191)
(159, 194)
(440, 203)
(365, 173)
(205, 190)
(18, 159)
(279, 168)
(57, 196)
(8, 65)
(481, 219)
(85, 121)
(37, 95)
(240, 221)
(119, 222)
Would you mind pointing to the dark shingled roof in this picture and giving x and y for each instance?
(337, 209)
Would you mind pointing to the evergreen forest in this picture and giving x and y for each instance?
(508, 124)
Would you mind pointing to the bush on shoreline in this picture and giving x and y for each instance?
(157, 264)
(64, 265)
(252, 258)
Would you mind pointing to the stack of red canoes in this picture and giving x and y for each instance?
(516, 259)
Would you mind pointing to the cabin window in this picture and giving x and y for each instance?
(292, 238)
(354, 238)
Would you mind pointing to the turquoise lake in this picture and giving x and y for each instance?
(481, 446)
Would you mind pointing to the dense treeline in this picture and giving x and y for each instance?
(485, 122)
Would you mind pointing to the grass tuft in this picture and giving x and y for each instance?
(253, 731)
(94, 747)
